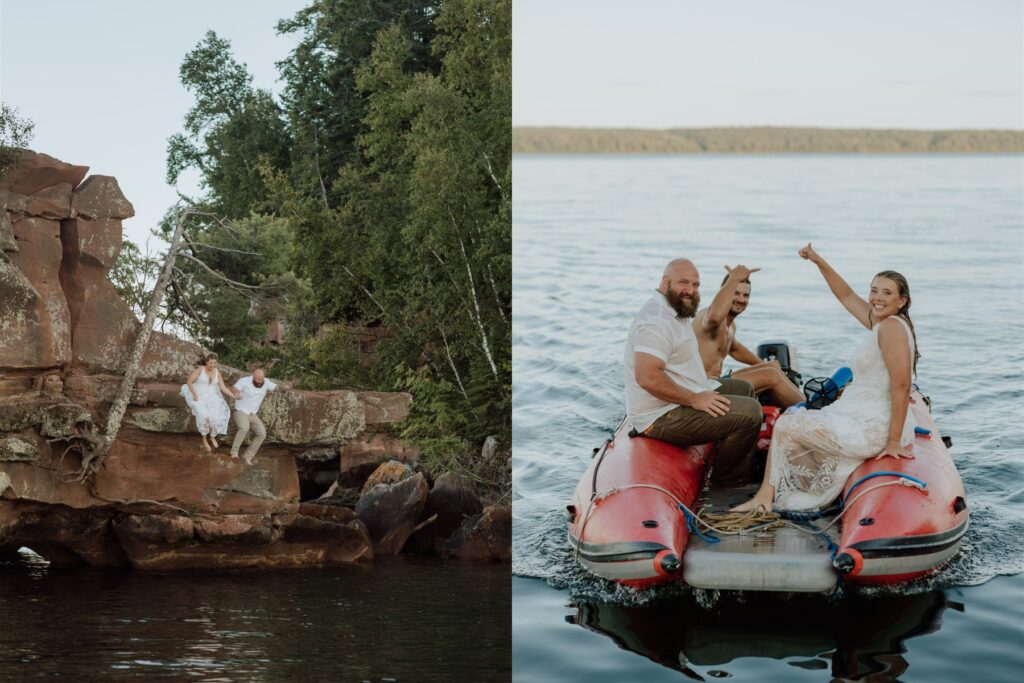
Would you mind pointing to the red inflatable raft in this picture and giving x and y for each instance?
(894, 533)
(626, 523)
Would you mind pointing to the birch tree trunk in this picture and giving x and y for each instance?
(95, 459)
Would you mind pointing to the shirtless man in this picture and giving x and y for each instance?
(715, 327)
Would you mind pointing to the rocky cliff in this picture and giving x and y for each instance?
(158, 502)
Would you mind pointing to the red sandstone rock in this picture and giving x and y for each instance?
(35, 326)
(60, 535)
(173, 468)
(100, 197)
(235, 542)
(36, 171)
(486, 537)
(65, 335)
(360, 457)
(388, 473)
(51, 202)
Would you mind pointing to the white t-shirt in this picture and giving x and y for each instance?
(252, 396)
(658, 331)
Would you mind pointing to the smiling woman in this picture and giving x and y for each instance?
(814, 452)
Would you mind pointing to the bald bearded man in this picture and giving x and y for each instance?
(668, 393)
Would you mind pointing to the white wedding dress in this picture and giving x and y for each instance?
(211, 410)
(813, 452)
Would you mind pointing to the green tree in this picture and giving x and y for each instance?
(232, 131)
(324, 106)
(422, 239)
(15, 135)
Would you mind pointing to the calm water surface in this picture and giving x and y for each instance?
(591, 236)
(399, 620)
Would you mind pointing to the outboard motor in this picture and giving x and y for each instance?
(782, 351)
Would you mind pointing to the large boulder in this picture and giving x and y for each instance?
(34, 172)
(486, 537)
(391, 512)
(450, 503)
(362, 455)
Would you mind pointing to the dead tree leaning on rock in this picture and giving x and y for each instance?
(93, 457)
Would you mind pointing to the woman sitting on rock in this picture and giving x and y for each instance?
(202, 393)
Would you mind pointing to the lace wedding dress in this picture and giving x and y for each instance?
(813, 452)
(211, 410)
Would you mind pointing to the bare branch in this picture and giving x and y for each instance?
(193, 245)
(225, 279)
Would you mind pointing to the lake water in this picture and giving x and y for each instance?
(591, 235)
(402, 619)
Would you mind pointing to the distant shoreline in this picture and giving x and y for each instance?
(763, 140)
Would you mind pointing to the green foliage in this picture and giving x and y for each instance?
(230, 131)
(133, 276)
(15, 135)
(324, 105)
(379, 199)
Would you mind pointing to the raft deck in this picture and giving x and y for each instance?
(783, 559)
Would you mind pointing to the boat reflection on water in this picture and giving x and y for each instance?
(859, 638)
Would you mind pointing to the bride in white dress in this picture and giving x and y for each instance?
(202, 393)
(813, 452)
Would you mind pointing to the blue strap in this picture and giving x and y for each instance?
(691, 526)
(842, 503)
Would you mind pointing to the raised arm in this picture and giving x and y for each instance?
(722, 302)
(742, 354)
(895, 348)
(192, 378)
(650, 374)
(857, 306)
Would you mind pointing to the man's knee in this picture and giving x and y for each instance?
(748, 409)
(736, 387)
(258, 429)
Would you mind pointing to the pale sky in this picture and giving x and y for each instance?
(693, 63)
(100, 80)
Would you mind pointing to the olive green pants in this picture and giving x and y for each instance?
(735, 432)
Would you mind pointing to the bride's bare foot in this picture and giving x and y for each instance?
(213, 441)
(757, 503)
(206, 446)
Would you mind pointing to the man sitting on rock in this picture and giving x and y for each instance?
(249, 394)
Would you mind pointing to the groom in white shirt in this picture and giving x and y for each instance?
(252, 389)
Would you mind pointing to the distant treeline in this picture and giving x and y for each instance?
(762, 140)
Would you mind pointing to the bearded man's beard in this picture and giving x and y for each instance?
(258, 384)
(685, 307)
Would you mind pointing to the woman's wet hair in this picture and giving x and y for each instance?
(904, 290)
(205, 358)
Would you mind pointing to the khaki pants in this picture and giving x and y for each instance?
(245, 421)
(736, 432)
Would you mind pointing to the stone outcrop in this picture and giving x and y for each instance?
(450, 503)
(158, 501)
(391, 508)
(486, 537)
